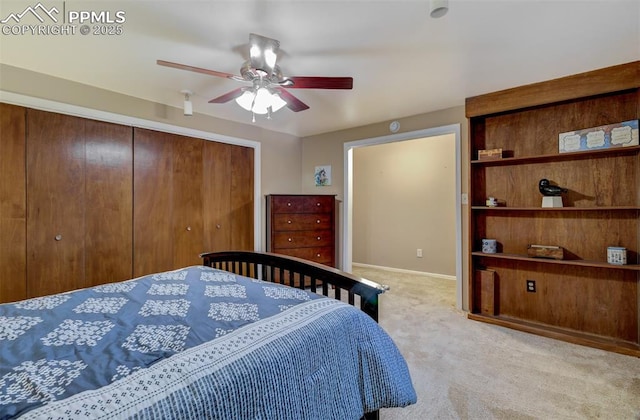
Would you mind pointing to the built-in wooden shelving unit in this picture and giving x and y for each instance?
(582, 298)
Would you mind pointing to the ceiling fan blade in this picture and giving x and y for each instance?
(227, 96)
(195, 69)
(305, 82)
(293, 103)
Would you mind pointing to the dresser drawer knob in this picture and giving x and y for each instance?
(218, 226)
(58, 237)
(290, 240)
(317, 255)
(188, 228)
(318, 238)
(289, 221)
(318, 221)
(289, 204)
(318, 204)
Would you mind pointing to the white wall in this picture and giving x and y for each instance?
(404, 198)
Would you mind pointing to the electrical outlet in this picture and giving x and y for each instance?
(419, 253)
(531, 286)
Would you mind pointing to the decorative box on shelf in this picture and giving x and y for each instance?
(545, 251)
(621, 134)
(495, 202)
(617, 255)
(489, 154)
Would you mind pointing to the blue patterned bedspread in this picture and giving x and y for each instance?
(195, 343)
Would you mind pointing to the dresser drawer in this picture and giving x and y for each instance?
(301, 221)
(322, 255)
(302, 204)
(303, 239)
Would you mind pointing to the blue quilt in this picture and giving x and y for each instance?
(195, 343)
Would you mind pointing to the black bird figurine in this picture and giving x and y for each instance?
(549, 190)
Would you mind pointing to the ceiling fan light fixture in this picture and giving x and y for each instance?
(246, 99)
(276, 102)
(262, 101)
(259, 100)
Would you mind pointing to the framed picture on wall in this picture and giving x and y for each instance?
(322, 175)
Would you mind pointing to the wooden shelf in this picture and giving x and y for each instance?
(557, 157)
(571, 336)
(582, 263)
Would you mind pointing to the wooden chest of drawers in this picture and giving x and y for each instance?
(303, 226)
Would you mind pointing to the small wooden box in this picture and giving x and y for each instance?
(545, 251)
(489, 154)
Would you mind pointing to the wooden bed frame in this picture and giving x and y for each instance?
(302, 274)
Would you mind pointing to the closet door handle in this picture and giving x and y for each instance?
(58, 237)
(189, 228)
(218, 226)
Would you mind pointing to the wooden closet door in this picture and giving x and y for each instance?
(241, 198)
(228, 197)
(79, 213)
(152, 202)
(190, 196)
(55, 203)
(217, 196)
(13, 266)
(187, 200)
(109, 197)
(168, 209)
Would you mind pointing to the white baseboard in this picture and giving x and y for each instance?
(401, 270)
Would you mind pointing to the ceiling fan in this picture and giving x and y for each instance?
(268, 91)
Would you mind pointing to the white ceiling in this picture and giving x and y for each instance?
(403, 62)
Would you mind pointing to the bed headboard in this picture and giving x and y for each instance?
(300, 273)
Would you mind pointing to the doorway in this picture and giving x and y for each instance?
(451, 132)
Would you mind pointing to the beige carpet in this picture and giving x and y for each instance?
(463, 369)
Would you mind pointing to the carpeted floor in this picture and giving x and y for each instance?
(463, 369)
